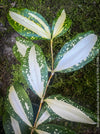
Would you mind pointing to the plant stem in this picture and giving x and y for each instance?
(51, 43)
(42, 99)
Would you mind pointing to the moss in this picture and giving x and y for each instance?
(17, 76)
(5, 75)
(80, 86)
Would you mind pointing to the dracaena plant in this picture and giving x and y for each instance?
(21, 117)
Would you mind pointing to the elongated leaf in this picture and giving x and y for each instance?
(21, 47)
(61, 24)
(29, 24)
(77, 53)
(43, 118)
(67, 110)
(35, 70)
(18, 104)
(53, 129)
(12, 126)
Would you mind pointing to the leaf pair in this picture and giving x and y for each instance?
(72, 56)
(34, 65)
(19, 116)
(32, 25)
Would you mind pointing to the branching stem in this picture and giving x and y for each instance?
(42, 99)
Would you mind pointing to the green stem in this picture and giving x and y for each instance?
(51, 43)
(42, 99)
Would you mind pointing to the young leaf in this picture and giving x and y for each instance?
(18, 104)
(61, 24)
(29, 24)
(67, 110)
(12, 126)
(35, 70)
(21, 47)
(53, 129)
(77, 53)
(43, 118)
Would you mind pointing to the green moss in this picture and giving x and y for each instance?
(17, 76)
(79, 86)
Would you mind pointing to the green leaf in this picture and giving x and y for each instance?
(50, 118)
(12, 126)
(77, 53)
(18, 104)
(21, 47)
(45, 116)
(69, 110)
(61, 24)
(53, 129)
(35, 70)
(29, 24)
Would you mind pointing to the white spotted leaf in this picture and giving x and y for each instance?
(21, 47)
(53, 129)
(41, 132)
(29, 24)
(77, 53)
(18, 104)
(35, 70)
(13, 126)
(61, 24)
(43, 118)
(68, 110)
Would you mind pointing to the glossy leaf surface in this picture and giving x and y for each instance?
(18, 104)
(68, 110)
(13, 126)
(61, 24)
(77, 53)
(35, 70)
(29, 24)
(53, 129)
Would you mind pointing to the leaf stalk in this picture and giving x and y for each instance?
(42, 99)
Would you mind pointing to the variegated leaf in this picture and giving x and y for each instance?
(29, 24)
(50, 118)
(35, 70)
(53, 129)
(43, 118)
(41, 132)
(21, 47)
(67, 110)
(61, 24)
(18, 104)
(77, 53)
(13, 126)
